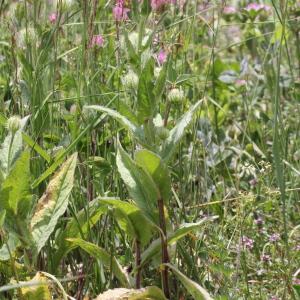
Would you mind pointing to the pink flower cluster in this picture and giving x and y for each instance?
(229, 10)
(257, 7)
(97, 40)
(120, 11)
(247, 242)
(274, 237)
(162, 57)
(52, 18)
(157, 4)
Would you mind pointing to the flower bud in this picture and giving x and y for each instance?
(162, 132)
(13, 124)
(176, 95)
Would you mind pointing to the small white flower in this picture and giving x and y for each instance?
(130, 80)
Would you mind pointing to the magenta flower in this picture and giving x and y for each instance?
(296, 281)
(97, 40)
(257, 7)
(52, 18)
(265, 258)
(259, 221)
(229, 10)
(247, 242)
(162, 57)
(274, 237)
(157, 4)
(120, 13)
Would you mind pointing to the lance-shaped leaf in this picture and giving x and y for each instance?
(183, 230)
(16, 187)
(53, 203)
(193, 288)
(158, 170)
(78, 226)
(178, 131)
(146, 102)
(140, 185)
(131, 219)
(149, 293)
(10, 151)
(105, 257)
(136, 131)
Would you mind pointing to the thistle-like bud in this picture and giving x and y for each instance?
(130, 80)
(176, 95)
(13, 124)
(162, 133)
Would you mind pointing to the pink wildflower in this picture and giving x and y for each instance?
(157, 4)
(265, 258)
(162, 57)
(274, 237)
(120, 13)
(247, 242)
(52, 18)
(257, 7)
(296, 281)
(97, 40)
(229, 10)
(240, 82)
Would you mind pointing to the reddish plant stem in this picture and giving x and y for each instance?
(164, 248)
(138, 264)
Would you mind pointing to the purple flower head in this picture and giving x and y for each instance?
(157, 4)
(247, 242)
(274, 298)
(257, 7)
(265, 258)
(162, 57)
(297, 247)
(52, 18)
(97, 40)
(120, 13)
(296, 281)
(259, 221)
(229, 10)
(274, 237)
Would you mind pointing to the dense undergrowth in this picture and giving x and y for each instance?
(149, 149)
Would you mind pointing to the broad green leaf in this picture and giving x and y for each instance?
(136, 131)
(158, 170)
(131, 219)
(140, 185)
(53, 203)
(193, 288)
(12, 242)
(148, 293)
(10, 151)
(78, 226)
(16, 187)
(105, 257)
(37, 291)
(146, 102)
(178, 131)
(183, 230)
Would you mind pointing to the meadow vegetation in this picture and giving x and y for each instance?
(149, 149)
